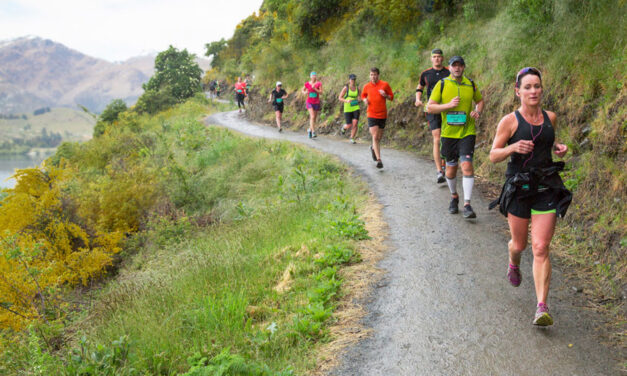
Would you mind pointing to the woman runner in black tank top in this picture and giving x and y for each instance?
(527, 137)
(542, 136)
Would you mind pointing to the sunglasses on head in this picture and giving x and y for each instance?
(526, 70)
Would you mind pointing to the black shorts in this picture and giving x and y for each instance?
(542, 201)
(349, 116)
(435, 121)
(278, 107)
(453, 149)
(374, 122)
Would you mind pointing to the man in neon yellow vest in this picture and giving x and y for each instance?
(453, 98)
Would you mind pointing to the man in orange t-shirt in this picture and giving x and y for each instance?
(374, 95)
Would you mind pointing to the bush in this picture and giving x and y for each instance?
(153, 101)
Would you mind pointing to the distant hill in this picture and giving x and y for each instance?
(36, 72)
(71, 124)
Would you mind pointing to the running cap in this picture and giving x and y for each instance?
(436, 51)
(312, 74)
(278, 83)
(456, 59)
(525, 71)
(352, 77)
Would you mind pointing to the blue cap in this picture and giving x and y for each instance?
(312, 74)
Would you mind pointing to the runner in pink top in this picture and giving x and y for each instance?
(313, 90)
(240, 93)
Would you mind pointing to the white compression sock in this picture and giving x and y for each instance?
(452, 184)
(468, 182)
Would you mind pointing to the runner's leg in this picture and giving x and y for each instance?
(354, 128)
(468, 180)
(312, 118)
(437, 158)
(375, 131)
(518, 228)
(278, 118)
(542, 230)
(313, 125)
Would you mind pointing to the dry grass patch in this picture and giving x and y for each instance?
(359, 280)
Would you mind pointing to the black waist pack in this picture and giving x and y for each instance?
(531, 179)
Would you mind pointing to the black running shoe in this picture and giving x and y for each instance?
(374, 156)
(468, 212)
(379, 164)
(441, 178)
(343, 131)
(452, 208)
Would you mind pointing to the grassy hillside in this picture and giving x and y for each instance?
(76, 125)
(579, 46)
(231, 257)
(26, 131)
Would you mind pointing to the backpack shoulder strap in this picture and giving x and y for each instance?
(473, 84)
(441, 86)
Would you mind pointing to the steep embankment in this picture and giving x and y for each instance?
(584, 75)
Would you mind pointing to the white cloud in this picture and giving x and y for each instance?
(119, 29)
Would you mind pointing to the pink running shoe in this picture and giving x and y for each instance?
(542, 317)
(514, 276)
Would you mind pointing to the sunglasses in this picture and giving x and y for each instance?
(526, 70)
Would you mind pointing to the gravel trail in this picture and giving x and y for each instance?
(445, 306)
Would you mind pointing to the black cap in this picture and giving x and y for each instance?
(436, 51)
(352, 77)
(456, 59)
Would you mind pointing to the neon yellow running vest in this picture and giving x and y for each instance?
(353, 105)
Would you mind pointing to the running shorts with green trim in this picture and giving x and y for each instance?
(374, 122)
(454, 149)
(349, 116)
(278, 107)
(435, 121)
(542, 202)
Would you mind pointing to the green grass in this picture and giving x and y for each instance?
(198, 288)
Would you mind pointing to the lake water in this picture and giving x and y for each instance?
(8, 164)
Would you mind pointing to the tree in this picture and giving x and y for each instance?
(110, 114)
(112, 111)
(177, 76)
(214, 49)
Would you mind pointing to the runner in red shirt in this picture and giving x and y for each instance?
(375, 94)
(240, 93)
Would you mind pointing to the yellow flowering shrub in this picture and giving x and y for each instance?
(44, 245)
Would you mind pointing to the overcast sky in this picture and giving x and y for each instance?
(118, 29)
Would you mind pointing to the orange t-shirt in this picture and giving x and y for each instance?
(376, 102)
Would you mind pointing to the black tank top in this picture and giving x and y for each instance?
(542, 136)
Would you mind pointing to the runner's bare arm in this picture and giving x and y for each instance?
(434, 107)
(478, 109)
(419, 95)
(559, 149)
(504, 131)
(341, 96)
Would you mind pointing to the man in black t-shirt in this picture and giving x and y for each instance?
(276, 97)
(428, 79)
